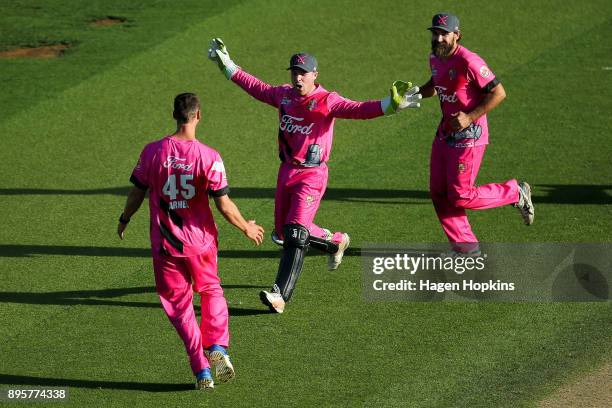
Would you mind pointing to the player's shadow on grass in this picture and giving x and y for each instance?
(381, 196)
(19, 251)
(544, 193)
(101, 297)
(573, 193)
(93, 384)
(70, 250)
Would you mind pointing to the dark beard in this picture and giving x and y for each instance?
(441, 50)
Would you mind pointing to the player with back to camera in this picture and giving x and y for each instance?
(307, 113)
(180, 173)
(467, 90)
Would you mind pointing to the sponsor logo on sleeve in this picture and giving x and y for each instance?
(219, 167)
(484, 71)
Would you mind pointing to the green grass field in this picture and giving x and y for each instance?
(78, 307)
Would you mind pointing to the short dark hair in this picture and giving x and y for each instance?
(186, 105)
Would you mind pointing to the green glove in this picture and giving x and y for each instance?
(218, 53)
(398, 90)
(402, 96)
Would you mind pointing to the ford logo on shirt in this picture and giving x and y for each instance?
(173, 162)
(288, 124)
(440, 90)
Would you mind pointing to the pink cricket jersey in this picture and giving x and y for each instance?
(461, 83)
(180, 175)
(305, 120)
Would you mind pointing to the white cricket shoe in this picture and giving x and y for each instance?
(524, 205)
(220, 361)
(204, 380)
(334, 260)
(205, 384)
(274, 300)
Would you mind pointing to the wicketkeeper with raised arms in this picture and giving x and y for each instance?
(306, 114)
(180, 174)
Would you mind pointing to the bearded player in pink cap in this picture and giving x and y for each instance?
(180, 174)
(467, 90)
(307, 113)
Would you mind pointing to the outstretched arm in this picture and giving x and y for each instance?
(253, 86)
(401, 96)
(231, 213)
(218, 53)
(134, 200)
(257, 88)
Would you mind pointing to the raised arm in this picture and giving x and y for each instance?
(253, 86)
(256, 88)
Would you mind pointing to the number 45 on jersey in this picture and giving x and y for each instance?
(184, 188)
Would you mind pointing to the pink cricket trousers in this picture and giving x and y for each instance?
(174, 279)
(299, 191)
(453, 172)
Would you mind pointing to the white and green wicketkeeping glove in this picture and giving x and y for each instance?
(218, 53)
(401, 97)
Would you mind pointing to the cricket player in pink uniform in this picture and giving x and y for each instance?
(180, 173)
(467, 89)
(306, 113)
